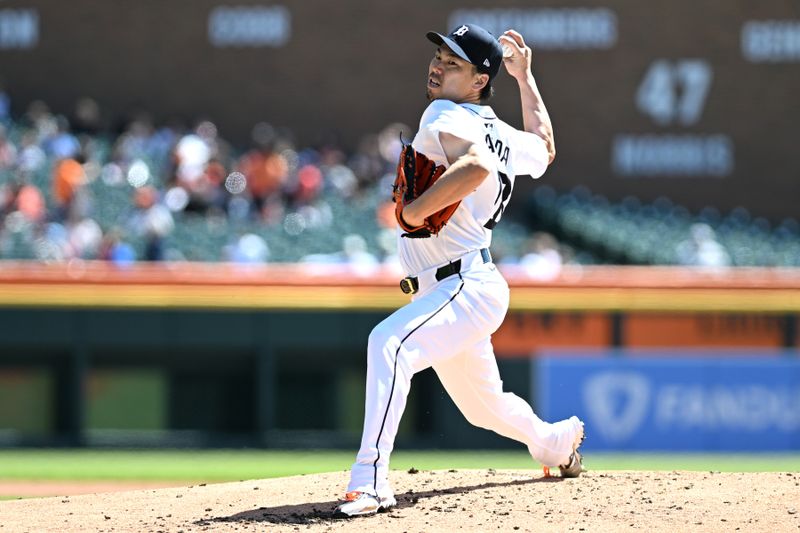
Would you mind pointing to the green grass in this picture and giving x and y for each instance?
(232, 465)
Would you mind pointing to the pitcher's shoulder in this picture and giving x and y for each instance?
(443, 109)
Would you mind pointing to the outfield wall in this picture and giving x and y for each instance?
(214, 355)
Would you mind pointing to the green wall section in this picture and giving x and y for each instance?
(26, 400)
(127, 399)
(208, 378)
(185, 376)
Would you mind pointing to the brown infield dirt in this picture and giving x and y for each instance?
(467, 500)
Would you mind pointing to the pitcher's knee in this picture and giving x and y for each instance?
(478, 414)
(478, 419)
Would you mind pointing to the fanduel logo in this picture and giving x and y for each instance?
(617, 403)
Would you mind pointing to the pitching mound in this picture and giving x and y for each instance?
(472, 500)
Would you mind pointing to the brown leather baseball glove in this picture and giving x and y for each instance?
(415, 174)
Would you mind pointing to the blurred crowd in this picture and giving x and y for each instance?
(58, 176)
(664, 233)
(75, 188)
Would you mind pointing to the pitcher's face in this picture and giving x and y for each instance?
(452, 78)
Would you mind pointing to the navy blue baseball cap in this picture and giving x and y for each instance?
(473, 44)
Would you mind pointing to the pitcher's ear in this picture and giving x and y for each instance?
(480, 81)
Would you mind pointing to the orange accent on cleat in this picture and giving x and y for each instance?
(546, 471)
(352, 496)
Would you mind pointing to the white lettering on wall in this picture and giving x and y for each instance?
(745, 407)
(622, 404)
(617, 403)
(675, 91)
(672, 155)
(771, 41)
(253, 26)
(19, 29)
(557, 29)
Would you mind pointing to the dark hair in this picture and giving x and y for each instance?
(487, 92)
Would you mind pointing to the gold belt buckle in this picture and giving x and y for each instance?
(409, 285)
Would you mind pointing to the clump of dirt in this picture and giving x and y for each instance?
(470, 500)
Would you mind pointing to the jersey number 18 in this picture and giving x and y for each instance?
(504, 194)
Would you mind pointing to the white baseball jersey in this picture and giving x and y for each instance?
(515, 153)
(449, 322)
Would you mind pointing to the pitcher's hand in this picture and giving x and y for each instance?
(516, 55)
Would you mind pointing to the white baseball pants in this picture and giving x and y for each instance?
(448, 326)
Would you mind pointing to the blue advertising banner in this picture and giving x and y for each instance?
(742, 403)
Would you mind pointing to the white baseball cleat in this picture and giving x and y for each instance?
(361, 503)
(575, 466)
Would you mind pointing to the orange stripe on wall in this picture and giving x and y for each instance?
(703, 330)
(523, 333)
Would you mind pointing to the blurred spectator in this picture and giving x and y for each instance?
(248, 249)
(141, 140)
(62, 144)
(192, 153)
(8, 152)
(198, 168)
(31, 157)
(86, 117)
(8, 198)
(213, 194)
(265, 171)
(391, 139)
(367, 163)
(53, 243)
(342, 180)
(273, 211)
(152, 221)
(387, 238)
(114, 249)
(68, 177)
(308, 185)
(40, 120)
(337, 178)
(194, 150)
(387, 241)
(354, 252)
(84, 237)
(159, 145)
(543, 260)
(702, 248)
(385, 216)
(30, 202)
(132, 144)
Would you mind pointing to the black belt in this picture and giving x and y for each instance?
(410, 285)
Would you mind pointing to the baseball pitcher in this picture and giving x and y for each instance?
(453, 183)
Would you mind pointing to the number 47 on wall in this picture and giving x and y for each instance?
(674, 91)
